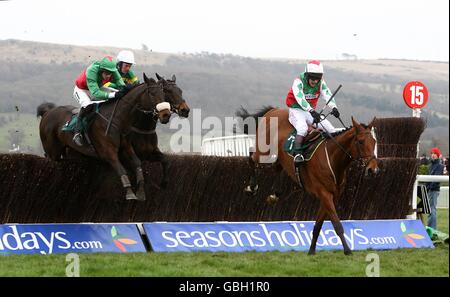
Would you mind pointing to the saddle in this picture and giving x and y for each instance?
(310, 143)
(69, 126)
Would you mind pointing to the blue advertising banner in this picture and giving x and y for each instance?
(69, 238)
(285, 236)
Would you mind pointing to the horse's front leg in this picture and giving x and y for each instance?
(135, 163)
(113, 160)
(252, 188)
(165, 169)
(321, 214)
(158, 156)
(275, 191)
(327, 203)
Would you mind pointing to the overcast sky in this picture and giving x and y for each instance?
(322, 29)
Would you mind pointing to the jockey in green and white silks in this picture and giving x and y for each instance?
(302, 100)
(125, 59)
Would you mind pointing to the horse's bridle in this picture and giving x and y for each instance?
(147, 90)
(167, 83)
(363, 160)
(153, 112)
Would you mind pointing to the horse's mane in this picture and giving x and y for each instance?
(346, 129)
(43, 108)
(133, 86)
(129, 89)
(243, 113)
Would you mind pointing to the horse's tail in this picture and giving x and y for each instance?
(42, 109)
(243, 113)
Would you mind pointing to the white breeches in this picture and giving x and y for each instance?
(300, 119)
(84, 97)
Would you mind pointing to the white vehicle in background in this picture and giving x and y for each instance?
(15, 149)
(228, 146)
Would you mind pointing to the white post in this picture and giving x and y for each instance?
(416, 114)
(424, 178)
(413, 216)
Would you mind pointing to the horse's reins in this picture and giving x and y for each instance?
(154, 111)
(173, 108)
(141, 131)
(111, 118)
(154, 114)
(360, 158)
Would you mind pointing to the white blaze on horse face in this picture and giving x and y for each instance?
(268, 151)
(374, 135)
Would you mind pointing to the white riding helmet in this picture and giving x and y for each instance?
(126, 57)
(314, 66)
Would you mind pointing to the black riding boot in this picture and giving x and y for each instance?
(297, 148)
(78, 137)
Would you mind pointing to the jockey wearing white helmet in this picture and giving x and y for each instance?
(302, 101)
(125, 59)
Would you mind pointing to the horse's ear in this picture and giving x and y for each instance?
(355, 122)
(158, 77)
(150, 80)
(372, 122)
(174, 78)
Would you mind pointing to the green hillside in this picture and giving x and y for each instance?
(218, 84)
(19, 128)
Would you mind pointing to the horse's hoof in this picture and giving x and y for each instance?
(248, 190)
(311, 253)
(272, 199)
(131, 196)
(140, 194)
(251, 191)
(348, 253)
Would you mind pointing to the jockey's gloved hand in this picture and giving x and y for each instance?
(128, 87)
(120, 94)
(315, 115)
(335, 112)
